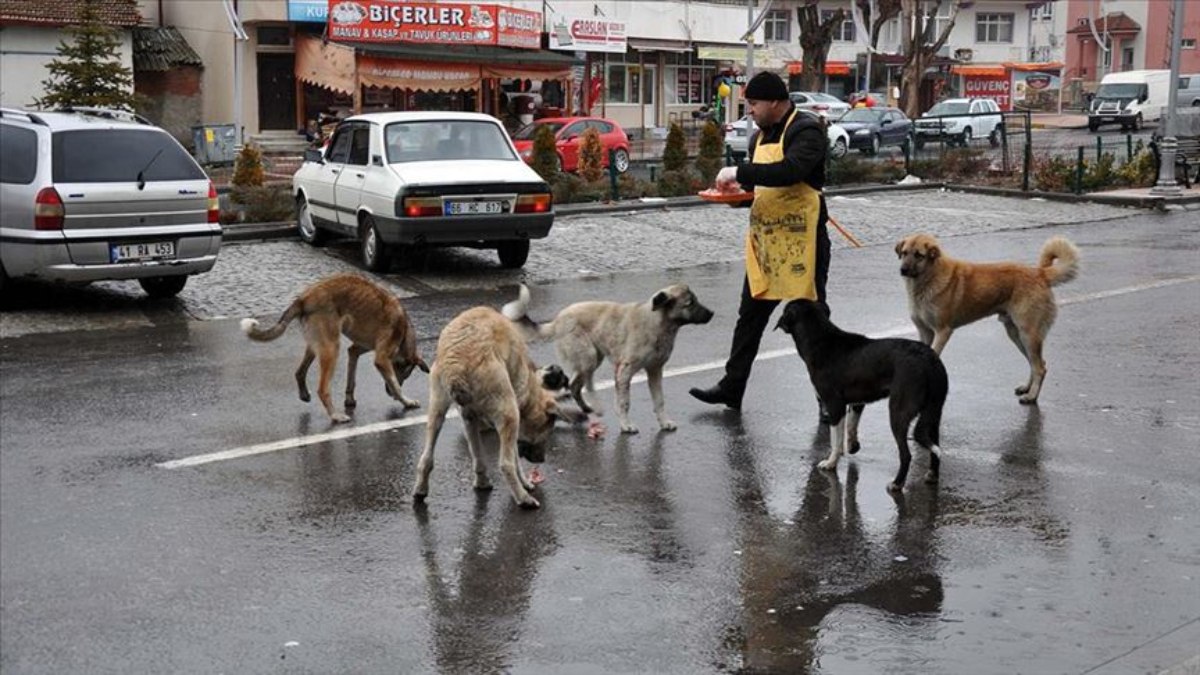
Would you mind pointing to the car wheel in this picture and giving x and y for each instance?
(375, 254)
(163, 287)
(558, 164)
(621, 160)
(1137, 122)
(874, 146)
(965, 139)
(3, 281)
(513, 254)
(1092, 127)
(839, 148)
(994, 138)
(309, 232)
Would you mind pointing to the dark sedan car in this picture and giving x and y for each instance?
(872, 128)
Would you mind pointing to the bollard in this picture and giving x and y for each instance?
(1028, 150)
(612, 174)
(1128, 147)
(653, 172)
(1007, 168)
(1079, 172)
(1099, 147)
(908, 150)
(728, 157)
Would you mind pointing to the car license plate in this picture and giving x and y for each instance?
(473, 208)
(1108, 119)
(155, 250)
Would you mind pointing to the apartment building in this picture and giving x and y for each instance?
(1105, 36)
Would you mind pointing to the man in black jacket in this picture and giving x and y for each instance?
(801, 163)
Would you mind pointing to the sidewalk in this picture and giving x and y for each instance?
(1056, 121)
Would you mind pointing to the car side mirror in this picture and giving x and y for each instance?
(376, 160)
(885, 123)
(314, 155)
(1143, 98)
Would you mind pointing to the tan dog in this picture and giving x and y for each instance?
(945, 293)
(350, 305)
(635, 336)
(483, 367)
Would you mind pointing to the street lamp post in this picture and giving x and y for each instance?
(1168, 145)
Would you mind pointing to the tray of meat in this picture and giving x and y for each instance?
(735, 196)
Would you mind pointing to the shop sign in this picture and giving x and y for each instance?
(433, 23)
(588, 35)
(984, 86)
(1036, 89)
(308, 11)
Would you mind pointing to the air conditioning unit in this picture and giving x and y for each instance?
(964, 54)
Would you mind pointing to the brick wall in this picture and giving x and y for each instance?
(173, 100)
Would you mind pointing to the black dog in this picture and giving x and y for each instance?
(848, 369)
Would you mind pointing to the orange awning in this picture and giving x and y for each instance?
(831, 67)
(326, 65)
(979, 71)
(374, 71)
(1050, 65)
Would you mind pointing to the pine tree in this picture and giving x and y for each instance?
(88, 71)
(591, 156)
(712, 147)
(545, 156)
(675, 152)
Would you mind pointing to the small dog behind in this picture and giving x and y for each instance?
(850, 370)
(350, 305)
(483, 367)
(635, 336)
(945, 294)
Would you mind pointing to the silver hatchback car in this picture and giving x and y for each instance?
(90, 194)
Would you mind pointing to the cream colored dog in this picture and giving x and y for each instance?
(945, 294)
(635, 336)
(483, 367)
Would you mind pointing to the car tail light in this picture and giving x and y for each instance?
(538, 203)
(48, 211)
(727, 127)
(214, 204)
(420, 207)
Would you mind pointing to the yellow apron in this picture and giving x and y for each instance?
(781, 244)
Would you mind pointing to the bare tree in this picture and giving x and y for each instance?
(921, 44)
(886, 10)
(815, 38)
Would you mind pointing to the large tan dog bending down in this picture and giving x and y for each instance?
(635, 336)
(945, 293)
(483, 367)
(370, 316)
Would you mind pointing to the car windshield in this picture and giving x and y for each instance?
(826, 98)
(118, 156)
(949, 108)
(1122, 91)
(432, 140)
(527, 132)
(861, 115)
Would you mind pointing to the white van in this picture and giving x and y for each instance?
(1130, 98)
(1189, 91)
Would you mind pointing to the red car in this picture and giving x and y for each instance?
(568, 133)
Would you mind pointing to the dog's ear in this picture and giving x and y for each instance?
(933, 251)
(661, 299)
(553, 378)
(900, 247)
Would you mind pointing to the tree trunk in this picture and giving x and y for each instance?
(815, 38)
(921, 47)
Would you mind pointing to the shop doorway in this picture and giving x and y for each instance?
(276, 92)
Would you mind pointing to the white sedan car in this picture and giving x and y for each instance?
(393, 180)
(737, 137)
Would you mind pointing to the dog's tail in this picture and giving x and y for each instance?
(927, 431)
(251, 327)
(1059, 249)
(516, 311)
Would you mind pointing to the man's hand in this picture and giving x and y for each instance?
(727, 178)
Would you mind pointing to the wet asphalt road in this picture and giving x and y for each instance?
(1063, 538)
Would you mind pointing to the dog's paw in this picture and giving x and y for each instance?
(931, 478)
(350, 404)
(1028, 400)
(410, 403)
(340, 418)
(529, 503)
(854, 448)
(894, 488)
(418, 498)
(828, 465)
(629, 429)
(483, 485)
(305, 396)
(668, 425)
(1021, 390)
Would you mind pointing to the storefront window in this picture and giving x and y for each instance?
(625, 84)
(687, 85)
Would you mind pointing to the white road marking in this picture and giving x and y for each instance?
(380, 427)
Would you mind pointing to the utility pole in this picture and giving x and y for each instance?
(749, 39)
(1167, 185)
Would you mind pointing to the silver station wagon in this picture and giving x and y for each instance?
(90, 194)
(396, 180)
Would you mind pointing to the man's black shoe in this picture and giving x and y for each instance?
(716, 395)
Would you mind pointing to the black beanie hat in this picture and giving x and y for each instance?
(766, 86)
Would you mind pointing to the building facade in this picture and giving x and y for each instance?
(30, 32)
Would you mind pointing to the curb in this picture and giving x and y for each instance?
(1147, 202)
(235, 232)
